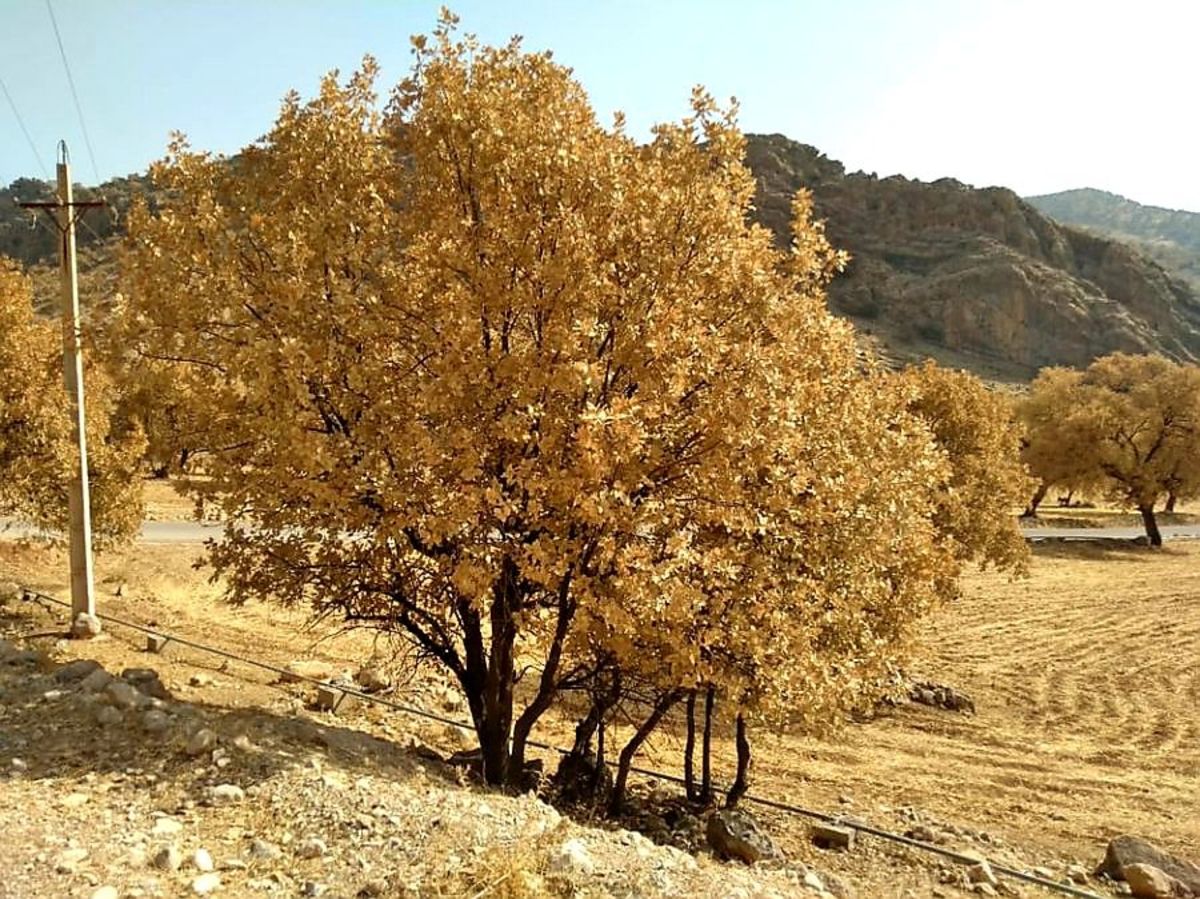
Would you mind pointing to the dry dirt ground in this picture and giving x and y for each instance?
(1086, 679)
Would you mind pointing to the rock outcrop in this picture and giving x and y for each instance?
(942, 267)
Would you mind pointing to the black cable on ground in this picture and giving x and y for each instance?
(788, 808)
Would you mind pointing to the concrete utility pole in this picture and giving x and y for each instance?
(84, 622)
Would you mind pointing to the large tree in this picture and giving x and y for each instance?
(487, 373)
(1131, 422)
(37, 448)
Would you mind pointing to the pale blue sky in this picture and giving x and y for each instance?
(1037, 95)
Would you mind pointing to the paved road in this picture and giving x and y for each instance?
(1169, 532)
(195, 532)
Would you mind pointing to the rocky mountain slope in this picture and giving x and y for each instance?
(1171, 236)
(976, 278)
(942, 268)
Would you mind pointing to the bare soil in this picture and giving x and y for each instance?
(1086, 680)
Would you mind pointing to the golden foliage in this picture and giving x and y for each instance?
(36, 445)
(1130, 425)
(981, 437)
(496, 376)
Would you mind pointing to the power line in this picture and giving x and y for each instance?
(961, 858)
(20, 121)
(74, 94)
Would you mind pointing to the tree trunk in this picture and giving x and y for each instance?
(625, 760)
(184, 455)
(1170, 506)
(598, 770)
(689, 749)
(1036, 500)
(740, 783)
(1151, 524)
(706, 784)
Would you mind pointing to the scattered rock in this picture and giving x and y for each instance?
(200, 742)
(264, 851)
(831, 836)
(166, 826)
(10, 592)
(200, 680)
(107, 716)
(74, 800)
(1126, 850)
(96, 680)
(310, 669)
(226, 793)
(76, 670)
(734, 833)
(312, 888)
(106, 892)
(981, 872)
(985, 889)
(372, 679)
(372, 888)
(85, 626)
(124, 695)
(203, 860)
(69, 860)
(155, 722)
(18, 764)
(572, 857)
(206, 883)
(167, 859)
(1077, 874)
(1148, 882)
(941, 696)
(147, 681)
(313, 847)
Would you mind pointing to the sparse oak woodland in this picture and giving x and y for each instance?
(1126, 425)
(36, 445)
(483, 372)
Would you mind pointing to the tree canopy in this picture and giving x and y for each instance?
(484, 372)
(36, 444)
(1128, 424)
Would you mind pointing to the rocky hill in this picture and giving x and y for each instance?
(977, 277)
(1171, 236)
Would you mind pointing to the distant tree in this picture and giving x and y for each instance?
(536, 397)
(1049, 447)
(36, 445)
(1132, 424)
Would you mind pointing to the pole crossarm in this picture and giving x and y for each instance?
(52, 206)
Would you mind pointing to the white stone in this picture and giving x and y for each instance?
(261, 849)
(74, 800)
(572, 857)
(223, 793)
(86, 625)
(106, 892)
(203, 860)
(206, 883)
(166, 826)
(313, 847)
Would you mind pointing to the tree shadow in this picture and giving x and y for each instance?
(1099, 549)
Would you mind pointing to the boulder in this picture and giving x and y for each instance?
(831, 836)
(734, 833)
(147, 681)
(1147, 882)
(10, 592)
(76, 671)
(579, 778)
(572, 857)
(1127, 850)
